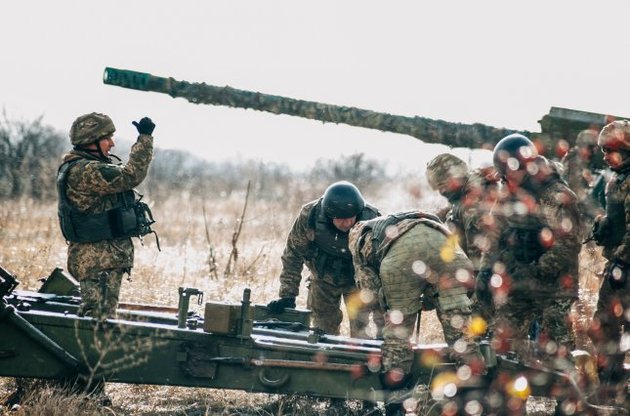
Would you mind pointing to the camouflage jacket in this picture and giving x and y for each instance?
(618, 192)
(91, 187)
(468, 216)
(545, 210)
(580, 173)
(439, 252)
(301, 250)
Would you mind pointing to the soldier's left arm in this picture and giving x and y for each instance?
(365, 276)
(622, 252)
(563, 236)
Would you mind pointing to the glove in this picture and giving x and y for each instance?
(278, 305)
(429, 301)
(600, 230)
(145, 126)
(617, 274)
(483, 292)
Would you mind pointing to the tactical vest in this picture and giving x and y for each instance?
(455, 222)
(381, 241)
(331, 245)
(130, 217)
(615, 212)
(521, 238)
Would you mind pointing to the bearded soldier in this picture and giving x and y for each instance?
(319, 240)
(611, 323)
(401, 259)
(99, 210)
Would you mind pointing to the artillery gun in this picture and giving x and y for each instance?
(559, 128)
(243, 346)
(232, 346)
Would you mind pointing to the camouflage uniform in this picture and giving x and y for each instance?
(613, 233)
(536, 259)
(92, 185)
(332, 277)
(582, 165)
(402, 258)
(472, 195)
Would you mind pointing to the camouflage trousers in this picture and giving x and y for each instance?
(396, 349)
(99, 294)
(324, 301)
(513, 326)
(610, 322)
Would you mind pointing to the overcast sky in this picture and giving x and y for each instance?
(502, 63)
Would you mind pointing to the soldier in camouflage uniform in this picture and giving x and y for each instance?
(531, 272)
(611, 323)
(319, 240)
(98, 208)
(471, 195)
(583, 167)
(400, 259)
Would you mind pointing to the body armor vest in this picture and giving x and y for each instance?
(380, 239)
(128, 218)
(521, 238)
(331, 245)
(615, 212)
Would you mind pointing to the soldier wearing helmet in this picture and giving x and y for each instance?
(319, 240)
(471, 194)
(531, 273)
(584, 168)
(612, 232)
(401, 259)
(99, 211)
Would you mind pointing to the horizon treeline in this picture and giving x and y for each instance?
(30, 154)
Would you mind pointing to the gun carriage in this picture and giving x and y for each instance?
(232, 346)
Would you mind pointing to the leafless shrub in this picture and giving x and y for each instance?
(355, 168)
(29, 157)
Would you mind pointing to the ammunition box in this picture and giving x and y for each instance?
(303, 316)
(222, 318)
(61, 283)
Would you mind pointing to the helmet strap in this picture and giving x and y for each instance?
(97, 152)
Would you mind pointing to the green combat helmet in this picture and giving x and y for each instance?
(446, 173)
(89, 128)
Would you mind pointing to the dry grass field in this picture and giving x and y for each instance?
(191, 229)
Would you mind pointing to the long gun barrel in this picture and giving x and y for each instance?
(560, 125)
(426, 129)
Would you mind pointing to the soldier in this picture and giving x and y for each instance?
(611, 231)
(99, 210)
(471, 195)
(583, 166)
(532, 271)
(319, 240)
(400, 259)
